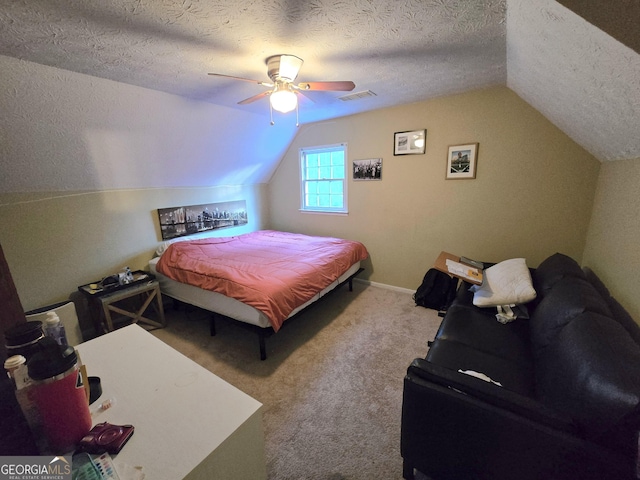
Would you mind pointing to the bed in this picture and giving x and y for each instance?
(260, 279)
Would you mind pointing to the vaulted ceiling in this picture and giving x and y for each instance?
(581, 78)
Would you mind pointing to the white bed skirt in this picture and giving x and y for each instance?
(230, 307)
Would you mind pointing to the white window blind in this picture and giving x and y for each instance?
(323, 173)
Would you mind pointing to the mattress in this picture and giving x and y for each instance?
(261, 278)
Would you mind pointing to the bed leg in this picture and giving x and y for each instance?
(212, 325)
(263, 347)
(350, 279)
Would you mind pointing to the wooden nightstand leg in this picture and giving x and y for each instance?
(107, 317)
(160, 306)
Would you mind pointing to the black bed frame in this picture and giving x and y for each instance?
(263, 333)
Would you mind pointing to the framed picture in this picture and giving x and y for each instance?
(409, 143)
(462, 161)
(192, 219)
(368, 169)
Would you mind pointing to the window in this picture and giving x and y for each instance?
(323, 179)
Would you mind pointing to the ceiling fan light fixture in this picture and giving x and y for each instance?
(283, 100)
(283, 70)
(283, 67)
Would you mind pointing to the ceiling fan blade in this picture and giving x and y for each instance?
(254, 98)
(335, 86)
(243, 79)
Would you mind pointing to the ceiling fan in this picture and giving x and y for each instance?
(283, 70)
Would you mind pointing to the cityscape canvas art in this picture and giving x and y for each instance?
(192, 219)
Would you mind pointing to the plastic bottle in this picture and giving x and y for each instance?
(16, 367)
(128, 275)
(18, 371)
(55, 329)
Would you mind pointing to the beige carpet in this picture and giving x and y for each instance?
(332, 383)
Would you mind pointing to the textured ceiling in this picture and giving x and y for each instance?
(580, 78)
(402, 50)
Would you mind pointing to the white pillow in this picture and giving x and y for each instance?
(505, 283)
(166, 244)
(163, 247)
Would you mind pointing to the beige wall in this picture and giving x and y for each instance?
(612, 248)
(532, 196)
(53, 243)
(130, 150)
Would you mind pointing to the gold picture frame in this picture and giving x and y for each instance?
(462, 161)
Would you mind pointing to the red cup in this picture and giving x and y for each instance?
(61, 403)
(58, 396)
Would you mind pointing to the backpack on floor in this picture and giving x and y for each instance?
(436, 291)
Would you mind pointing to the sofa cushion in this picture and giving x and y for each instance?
(552, 270)
(623, 318)
(570, 297)
(505, 283)
(464, 295)
(455, 356)
(590, 372)
(618, 311)
(594, 280)
(480, 330)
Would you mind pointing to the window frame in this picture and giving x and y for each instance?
(302, 154)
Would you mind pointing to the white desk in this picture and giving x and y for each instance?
(189, 424)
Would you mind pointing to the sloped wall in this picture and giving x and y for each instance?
(532, 196)
(65, 131)
(87, 161)
(612, 242)
(54, 243)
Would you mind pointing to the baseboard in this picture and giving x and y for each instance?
(384, 285)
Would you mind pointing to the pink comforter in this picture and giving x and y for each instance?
(274, 272)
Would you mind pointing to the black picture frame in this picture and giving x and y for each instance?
(412, 142)
(189, 220)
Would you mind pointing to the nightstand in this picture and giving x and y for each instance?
(107, 303)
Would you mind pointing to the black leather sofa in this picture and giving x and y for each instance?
(569, 402)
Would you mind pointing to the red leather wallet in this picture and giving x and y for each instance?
(105, 437)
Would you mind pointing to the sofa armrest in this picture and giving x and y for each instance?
(455, 426)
